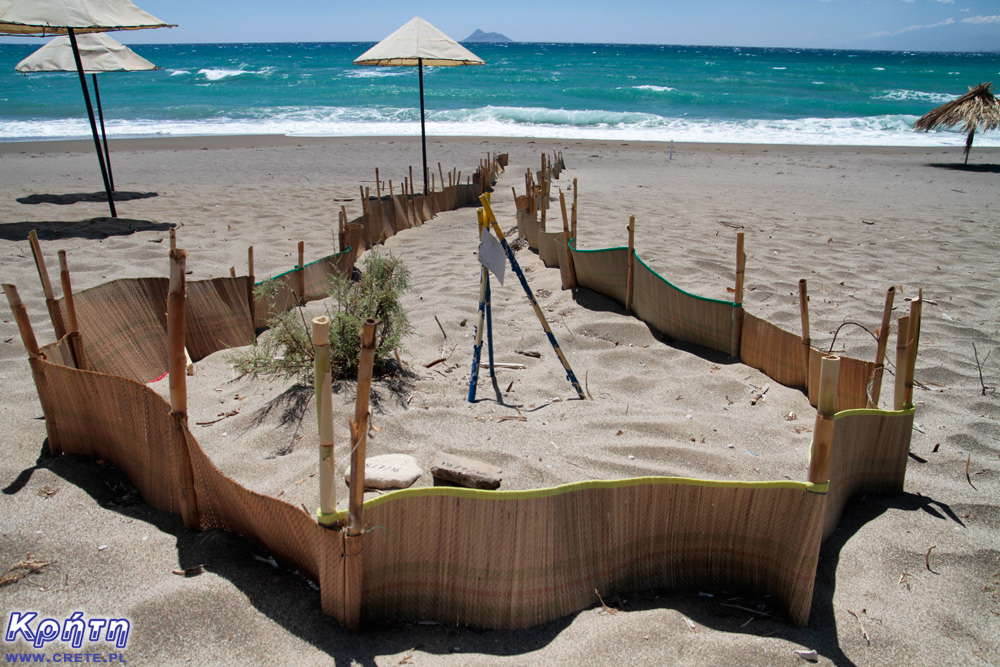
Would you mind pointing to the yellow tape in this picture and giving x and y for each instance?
(531, 494)
(905, 412)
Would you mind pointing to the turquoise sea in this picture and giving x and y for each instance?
(588, 91)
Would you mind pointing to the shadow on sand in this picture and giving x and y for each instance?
(971, 168)
(77, 197)
(93, 228)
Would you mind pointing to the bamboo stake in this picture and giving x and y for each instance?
(67, 288)
(50, 298)
(567, 254)
(916, 309)
(175, 333)
(359, 426)
(23, 322)
(250, 286)
(36, 363)
(354, 535)
(826, 408)
(441, 172)
(75, 341)
(324, 416)
(572, 219)
(342, 229)
(176, 367)
(804, 314)
(378, 199)
(413, 202)
(630, 280)
(883, 341)
(300, 276)
(737, 324)
(902, 358)
(741, 265)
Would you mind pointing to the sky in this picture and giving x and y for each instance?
(924, 25)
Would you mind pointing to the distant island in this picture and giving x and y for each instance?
(480, 36)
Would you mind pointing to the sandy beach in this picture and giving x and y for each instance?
(906, 579)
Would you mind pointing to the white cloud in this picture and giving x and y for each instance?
(947, 2)
(982, 19)
(948, 21)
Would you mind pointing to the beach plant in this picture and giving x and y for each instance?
(286, 350)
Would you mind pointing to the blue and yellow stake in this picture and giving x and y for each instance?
(492, 221)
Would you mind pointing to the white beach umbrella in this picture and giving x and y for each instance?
(99, 53)
(416, 44)
(72, 17)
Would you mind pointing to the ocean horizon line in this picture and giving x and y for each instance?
(16, 39)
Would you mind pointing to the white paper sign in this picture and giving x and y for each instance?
(491, 254)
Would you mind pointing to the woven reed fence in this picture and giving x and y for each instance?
(495, 559)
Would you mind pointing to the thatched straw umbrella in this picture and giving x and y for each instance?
(978, 108)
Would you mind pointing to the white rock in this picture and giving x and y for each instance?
(390, 471)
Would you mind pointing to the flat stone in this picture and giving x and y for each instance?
(465, 472)
(390, 471)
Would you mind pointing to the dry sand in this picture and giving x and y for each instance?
(853, 221)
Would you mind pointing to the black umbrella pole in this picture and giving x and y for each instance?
(423, 130)
(93, 123)
(104, 134)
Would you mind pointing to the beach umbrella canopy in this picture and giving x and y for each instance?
(416, 44)
(99, 53)
(977, 109)
(70, 17)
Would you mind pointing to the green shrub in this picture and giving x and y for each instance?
(287, 351)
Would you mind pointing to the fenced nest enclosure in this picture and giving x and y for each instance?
(492, 559)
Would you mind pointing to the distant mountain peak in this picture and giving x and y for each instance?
(480, 36)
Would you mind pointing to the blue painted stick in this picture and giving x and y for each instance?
(489, 324)
(484, 287)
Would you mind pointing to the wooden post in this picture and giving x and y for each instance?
(737, 322)
(572, 217)
(354, 535)
(360, 425)
(441, 172)
(23, 322)
(417, 219)
(300, 276)
(173, 238)
(50, 298)
(342, 229)
(250, 286)
(883, 341)
(36, 363)
(75, 341)
(806, 341)
(232, 271)
(826, 408)
(567, 254)
(378, 199)
(630, 280)
(902, 359)
(913, 342)
(175, 333)
(177, 367)
(364, 202)
(324, 417)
